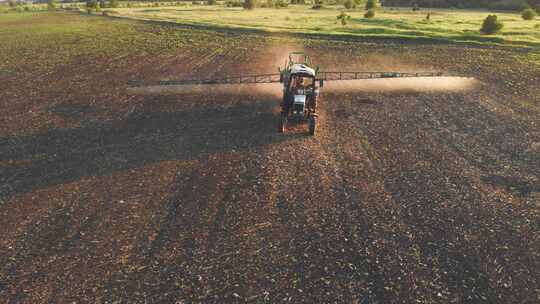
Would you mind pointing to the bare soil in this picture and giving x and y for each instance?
(403, 196)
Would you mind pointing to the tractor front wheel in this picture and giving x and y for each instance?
(282, 123)
(312, 123)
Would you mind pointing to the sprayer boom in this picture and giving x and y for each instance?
(274, 78)
(328, 76)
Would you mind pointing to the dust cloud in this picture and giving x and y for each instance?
(272, 89)
(276, 54)
(273, 56)
(420, 84)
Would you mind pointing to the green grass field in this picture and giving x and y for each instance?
(444, 24)
(453, 25)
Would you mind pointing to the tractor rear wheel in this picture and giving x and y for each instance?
(312, 123)
(282, 123)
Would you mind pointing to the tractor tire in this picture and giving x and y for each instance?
(312, 124)
(282, 123)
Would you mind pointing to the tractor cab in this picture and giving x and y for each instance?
(301, 90)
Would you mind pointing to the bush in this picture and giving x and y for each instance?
(491, 25)
(249, 4)
(211, 2)
(369, 14)
(51, 4)
(415, 7)
(92, 4)
(349, 4)
(509, 5)
(343, 17)
(281, 3)
(274, 3)
(370, 4)
(317, 6)
(528, 14)
(231, 3)
(114, 4)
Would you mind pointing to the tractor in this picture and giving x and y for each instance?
(301, 83)
(300, 92)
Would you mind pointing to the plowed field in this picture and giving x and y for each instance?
(407, 195)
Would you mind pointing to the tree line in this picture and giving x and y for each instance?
(491, 4)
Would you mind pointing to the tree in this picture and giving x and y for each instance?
(249, 4)
(91, 4)
(318, 4)
(491, 25)
(343, 17)
(371, 4)
(211, 2)
(349, 4)
(535, 4)
(528, 14)
(370, 13)
(114, 3)
(51, 4)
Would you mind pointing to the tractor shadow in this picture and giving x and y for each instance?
(192, 128)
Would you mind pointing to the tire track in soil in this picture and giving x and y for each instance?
(486, 133)
(171, 222)
(498, 205)
(174, 223)
(408, 182)
(401, 177)
(368, 213)
(379, 207)
(286, 205)
(54, 241)
(302, 197)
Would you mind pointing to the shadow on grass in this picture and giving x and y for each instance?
(386, 32)
(385, 22)
(358, 35)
